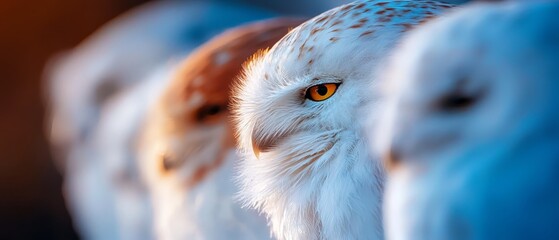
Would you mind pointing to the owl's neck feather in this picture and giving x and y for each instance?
(339, 198)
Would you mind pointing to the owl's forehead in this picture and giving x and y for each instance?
(214, 66)
(431, 77)
(461, 51)
(206, 75)
(353, 32)
(358, 20)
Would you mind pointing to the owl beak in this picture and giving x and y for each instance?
(262, 144)
(392, 158)
(255, 149)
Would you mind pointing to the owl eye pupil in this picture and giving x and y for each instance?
(213, 110)
(207, 111)
(321, 90)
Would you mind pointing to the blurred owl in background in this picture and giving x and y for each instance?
(188, 147)
(98, 94)
(470, 126)
(298, 116)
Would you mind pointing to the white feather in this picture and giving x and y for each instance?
(486, 167)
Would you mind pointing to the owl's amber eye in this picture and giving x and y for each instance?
(321, 92)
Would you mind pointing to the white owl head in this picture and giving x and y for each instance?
(298, 117)
(469, 126)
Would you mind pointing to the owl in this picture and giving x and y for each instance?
(188, 147)
(306, 162)
(98, 94)
(469, 128)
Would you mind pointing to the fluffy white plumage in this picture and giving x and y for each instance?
(117, 183)
(306, 164)
(470, 128)
(188, 148)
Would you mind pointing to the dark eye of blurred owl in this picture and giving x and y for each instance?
(456, 102)
(208, 111)
(321, 92)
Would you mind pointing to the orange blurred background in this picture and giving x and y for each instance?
(31, 203)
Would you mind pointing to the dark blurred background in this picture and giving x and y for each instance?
(31, 203)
